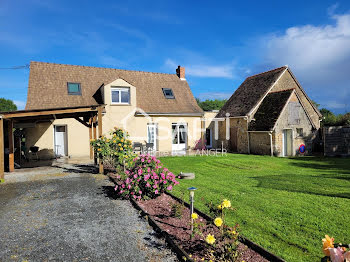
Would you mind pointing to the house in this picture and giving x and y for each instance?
(271, 114)
(153, 107)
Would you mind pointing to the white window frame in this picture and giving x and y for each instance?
(115, 88)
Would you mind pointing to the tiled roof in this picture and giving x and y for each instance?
(250, 92)
(269, 111)
(48, 87)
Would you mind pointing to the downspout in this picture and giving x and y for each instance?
(271, 145)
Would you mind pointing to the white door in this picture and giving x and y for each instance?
(287, 142)
(179, 136)
(152, 135)
(60, 141)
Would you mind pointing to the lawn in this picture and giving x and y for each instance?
(286, 205)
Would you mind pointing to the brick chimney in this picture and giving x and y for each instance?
(180, 71)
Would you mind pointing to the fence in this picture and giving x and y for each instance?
(336, 141)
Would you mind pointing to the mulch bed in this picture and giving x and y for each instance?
(160, 209)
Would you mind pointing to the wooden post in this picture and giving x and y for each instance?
(11, 146)
(94, 136)
(2, 164)
(90, 137)
(99, 119)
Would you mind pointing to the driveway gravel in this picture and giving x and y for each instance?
(71, 215)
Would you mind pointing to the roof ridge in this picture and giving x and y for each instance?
(285, 67)
(100, 67)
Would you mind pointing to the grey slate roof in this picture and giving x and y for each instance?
(269, 111)
(250, 92)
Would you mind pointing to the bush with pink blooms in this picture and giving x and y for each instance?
(146, 179)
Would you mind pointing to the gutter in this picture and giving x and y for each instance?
(169, 114)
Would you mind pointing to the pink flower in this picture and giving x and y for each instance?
(134, 196)
(116, 188)
(139, 197)
(135, 176)
(148, 185)
(149, 161)
(176, 183)
(121, 191)
(123, 186)
(155, 186)
(162, 175)
(336, 254)
(156, 192)
(142, 160)
(170, 188)
(140, 192)
(164, 182)
(129, 186)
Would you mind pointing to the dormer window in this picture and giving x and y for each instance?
(168, 93)
(74, 88)
(120, 95)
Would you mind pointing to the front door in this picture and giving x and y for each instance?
(60, 140)
(179, 136)
(152, 135)
(287, 142)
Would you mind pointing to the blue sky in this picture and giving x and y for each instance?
(219, 43)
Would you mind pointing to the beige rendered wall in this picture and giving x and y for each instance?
(122, 116)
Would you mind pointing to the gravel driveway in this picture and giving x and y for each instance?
(67, 214)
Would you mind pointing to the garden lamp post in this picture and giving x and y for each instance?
(191, 189)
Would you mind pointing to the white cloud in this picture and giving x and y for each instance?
(204, 70)
(318, 55)
(20, 104)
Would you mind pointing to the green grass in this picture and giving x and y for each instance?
(286, 205)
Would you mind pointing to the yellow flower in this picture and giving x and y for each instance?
(327, 243)
(114, 135)
(124, 145)
(107, 140)
(219, 207)
(226, 203)
(114, 141)
(119, 144)
(121, 149)
(194, 216)
(130, 146)
(122, 140)
(210, 239)
(218, 222)
(99, 149)
(92, 140)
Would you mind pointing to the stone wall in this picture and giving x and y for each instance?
(285, 122)
(242, 135)
(336, 141)
(287, 82)
(260, 143)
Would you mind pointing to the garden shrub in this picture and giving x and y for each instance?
(147, 178)
(115, 150)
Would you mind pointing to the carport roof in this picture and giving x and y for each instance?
(51, 113)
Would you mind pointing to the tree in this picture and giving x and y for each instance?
(7, 105)
(209, 105)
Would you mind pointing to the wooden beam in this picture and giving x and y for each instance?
(94, 135)
(11, 146)
(90, 138)
(48, 112)
(82, 122)
(99, 123)
(2, 162)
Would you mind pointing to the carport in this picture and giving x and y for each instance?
(89, 116)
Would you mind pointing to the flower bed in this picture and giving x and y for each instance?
(161, 210)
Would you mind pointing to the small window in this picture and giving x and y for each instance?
(120, 95)
(168, 93)
(74, 88)
(300, 132)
